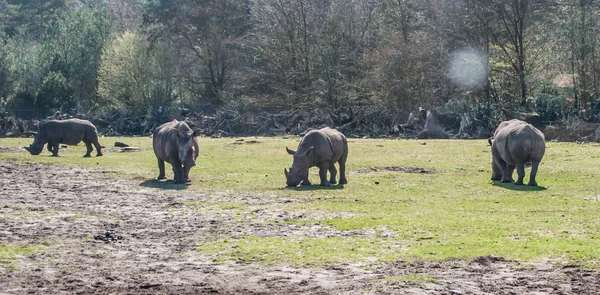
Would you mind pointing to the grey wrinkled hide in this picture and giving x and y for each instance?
(515, 144)
(321, 148)
(175, 143)
(71, 132)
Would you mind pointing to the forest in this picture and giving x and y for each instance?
(158, 59)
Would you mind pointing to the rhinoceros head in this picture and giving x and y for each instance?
(36, 147)
(299, 169)
(186, 144)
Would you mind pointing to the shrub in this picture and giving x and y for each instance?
(553, 107)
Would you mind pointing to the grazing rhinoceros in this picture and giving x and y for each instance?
(515, 144)
(175, 142)
(321, 148)
(71, 132)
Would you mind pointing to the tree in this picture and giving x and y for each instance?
(132, 74)
(211, 31)
(33, 17)
(74, 46)
(55, 94)
(307, 53)
(507, 23)
(6, 68)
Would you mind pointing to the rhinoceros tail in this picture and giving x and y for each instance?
(490, 140)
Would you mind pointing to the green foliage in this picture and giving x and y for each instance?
(553, 106)
(28, 68)
(74, 46)
(297, 54)
(134, 74)
(22, 105)
(55, 94)
(31, 17)
(10, 253)
(209, 35)
(6, 68)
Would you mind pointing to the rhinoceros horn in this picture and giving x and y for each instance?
(287, 174)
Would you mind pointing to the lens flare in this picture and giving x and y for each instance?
(467, 68)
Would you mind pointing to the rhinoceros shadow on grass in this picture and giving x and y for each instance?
(164, 184)
(315, 187)
(512, 186)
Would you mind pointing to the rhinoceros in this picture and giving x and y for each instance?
(515, 144)
(321, 148)
(71, 132)
(175, 143)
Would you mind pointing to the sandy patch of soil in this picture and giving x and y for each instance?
(108, 235)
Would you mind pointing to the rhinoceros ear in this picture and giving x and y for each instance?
(309, 151)
(291, 152)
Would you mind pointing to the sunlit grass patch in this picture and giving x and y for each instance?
(453, 212)
(11, 253)
(301, 251)
(411, 279)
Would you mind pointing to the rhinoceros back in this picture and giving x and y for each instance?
(329, 144)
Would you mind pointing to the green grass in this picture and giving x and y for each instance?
(454, 213)
(301, 251)
(10, 253)
(411, 279)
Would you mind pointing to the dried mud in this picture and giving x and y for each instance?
(108, 235)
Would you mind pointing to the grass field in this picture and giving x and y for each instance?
(455, 212)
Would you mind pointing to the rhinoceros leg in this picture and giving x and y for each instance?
(54, 149)
(161, 169)
(496, 171)
(534, 168)
(98, 148)
(88, 146)
(186, 170)
(179, 174)
(342, 163)
(520, 173)
(507, 171)
(511, 170)
(323, 166)
(333, 174)
(49, 147)
(178, 170)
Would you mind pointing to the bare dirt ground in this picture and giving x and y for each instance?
(64, 208)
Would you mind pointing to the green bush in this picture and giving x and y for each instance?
(55, 94)
(553, 107)
(22, 105)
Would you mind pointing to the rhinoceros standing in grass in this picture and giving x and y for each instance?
(515, 144)
(175, 143)
(71, 132)
(321, 148)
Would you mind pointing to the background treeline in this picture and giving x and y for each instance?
(164, 59)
